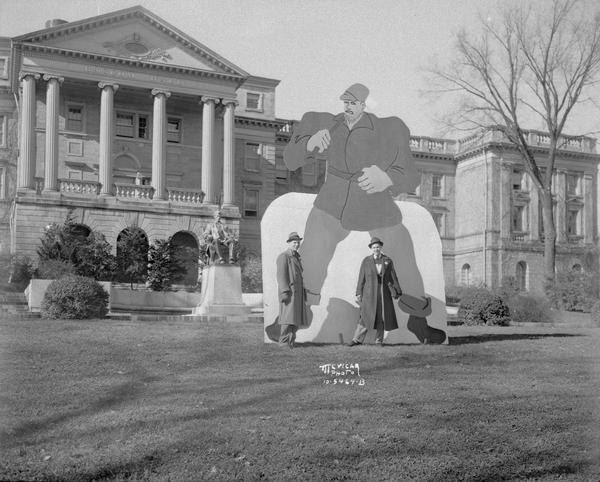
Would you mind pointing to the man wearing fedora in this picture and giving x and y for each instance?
(368, 162)
(377, 285)
(290, 289)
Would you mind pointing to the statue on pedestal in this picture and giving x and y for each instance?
(220, 242)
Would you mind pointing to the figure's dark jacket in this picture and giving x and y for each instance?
(372, 141)
(289, 279)
(368, 288)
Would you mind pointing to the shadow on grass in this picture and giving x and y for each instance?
(140, 469)
(485, 337)
(125, 392)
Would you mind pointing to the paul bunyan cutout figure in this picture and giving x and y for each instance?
(369, 161)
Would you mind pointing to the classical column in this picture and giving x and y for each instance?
(228, 158)
(159, 142)
(208, 131)
(52, 106)
(106, 136)
(26, 165)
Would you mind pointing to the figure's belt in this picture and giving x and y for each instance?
(348, 176)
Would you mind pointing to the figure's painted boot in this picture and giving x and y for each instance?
(418, 308)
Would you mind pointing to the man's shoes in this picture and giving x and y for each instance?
(354, 343)
(379, 344)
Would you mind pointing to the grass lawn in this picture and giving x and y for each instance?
(122, 400)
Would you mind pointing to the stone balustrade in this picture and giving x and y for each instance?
(187, 196)
(133, 191)
(77, 186)
(431, 144)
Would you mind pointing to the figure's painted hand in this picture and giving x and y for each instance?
(319, 140)
(358, 299)
(374, 179)
(285, 297)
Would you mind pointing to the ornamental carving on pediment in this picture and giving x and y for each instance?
(135, 47)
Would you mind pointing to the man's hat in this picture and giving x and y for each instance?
(294, 237)
(356, 92)
(375, 241)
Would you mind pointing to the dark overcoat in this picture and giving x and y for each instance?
(289, 279)
(372, 141)
(368, 288)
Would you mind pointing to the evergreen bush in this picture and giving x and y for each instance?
(573, 291)
(164, 264)
(527, 308)
(479, 306)
(75, 297)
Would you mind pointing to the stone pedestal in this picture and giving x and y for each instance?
(222, 291)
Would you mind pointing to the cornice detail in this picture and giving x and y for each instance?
(133, 62)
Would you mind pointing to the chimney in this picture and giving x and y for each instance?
(55, 22)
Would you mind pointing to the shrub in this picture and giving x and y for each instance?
(573, 291)
(526, 308)
(54, 268)
(481, 307)
(595, 313)
(455, 293)
(164, 264)
(17, 271)
(93, 258)
(251, 266)
(75, 297)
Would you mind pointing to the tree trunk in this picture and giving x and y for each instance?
(549, 233)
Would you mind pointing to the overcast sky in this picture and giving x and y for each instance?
(316, 48)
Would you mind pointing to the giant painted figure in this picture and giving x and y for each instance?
(368, 162)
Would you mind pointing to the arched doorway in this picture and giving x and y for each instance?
(465, 275)
(521, 276)
(132, 255)
(188, 253)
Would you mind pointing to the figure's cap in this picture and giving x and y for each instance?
(375, 241)
(356, 92)
(294, 236)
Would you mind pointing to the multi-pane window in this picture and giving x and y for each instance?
(253, 101)
(125, 124)
(465, 275)
(2, 182)
(251, 203)
(132, 125)
(573, 222)
(437, 185)
(74, 120)
(281, 170)
(521, 276)
(3, 122)
(573, 185)
(518, 180)
(252, 157)
(174, 130)
(3, 68)
(519, 222)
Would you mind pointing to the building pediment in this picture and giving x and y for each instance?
(135, 34)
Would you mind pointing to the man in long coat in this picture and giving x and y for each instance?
(377, 285)
(368, 162)
(292, 297)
